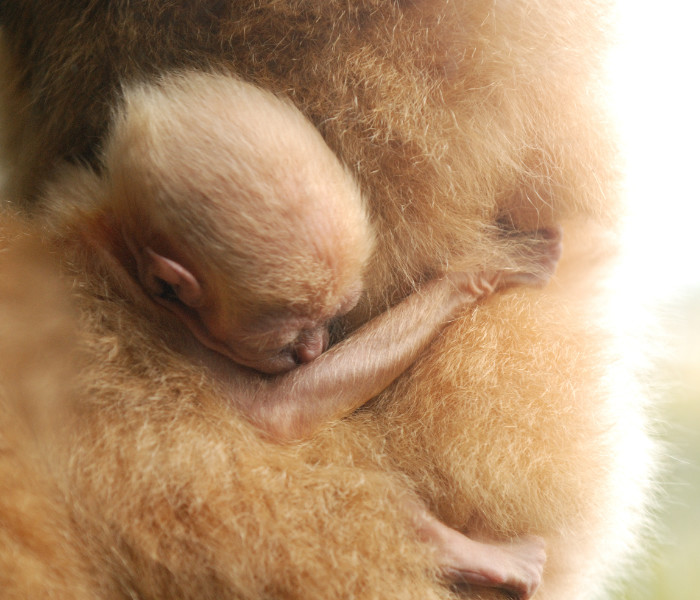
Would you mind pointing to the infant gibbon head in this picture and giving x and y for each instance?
(241, 220)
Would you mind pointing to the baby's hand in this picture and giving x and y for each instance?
(473, 286)
(545, 253)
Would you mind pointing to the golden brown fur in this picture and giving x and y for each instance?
(453, 116)
(205, 507)
(39, 557)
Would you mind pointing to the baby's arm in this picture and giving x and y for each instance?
(293, 405)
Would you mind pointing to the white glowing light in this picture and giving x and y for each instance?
(655, 74)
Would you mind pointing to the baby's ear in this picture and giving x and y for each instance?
(158, 269)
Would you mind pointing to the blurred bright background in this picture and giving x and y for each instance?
(655, 74)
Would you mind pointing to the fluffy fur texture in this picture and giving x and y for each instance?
(220, 162)
(454, 117)
(39, 556)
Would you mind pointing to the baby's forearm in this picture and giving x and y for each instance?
(349, 374)
(293, 405)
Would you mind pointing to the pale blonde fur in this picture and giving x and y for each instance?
(223, 177)
(460, 120)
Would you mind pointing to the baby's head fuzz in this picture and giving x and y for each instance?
(236, 187)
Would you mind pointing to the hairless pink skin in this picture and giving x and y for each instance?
(514, 565)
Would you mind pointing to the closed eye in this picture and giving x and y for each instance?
(167, 292)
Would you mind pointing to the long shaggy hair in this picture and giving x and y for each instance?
(465, 123)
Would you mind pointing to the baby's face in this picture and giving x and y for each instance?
(274, 342)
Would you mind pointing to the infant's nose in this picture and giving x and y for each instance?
(310, 345)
